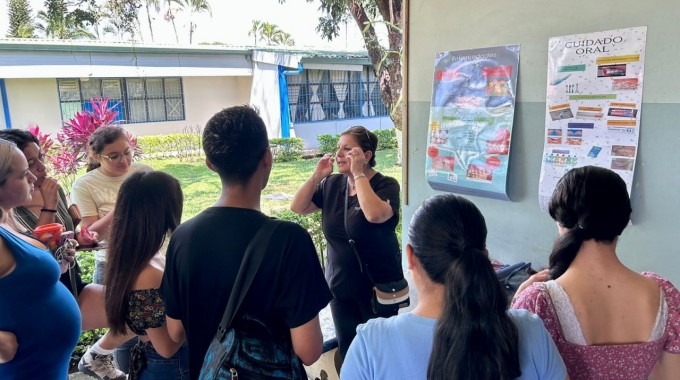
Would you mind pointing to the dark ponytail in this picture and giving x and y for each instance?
(590, 203)
(564, 251)
(474, 338)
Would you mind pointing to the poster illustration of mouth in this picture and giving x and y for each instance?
(471, 119)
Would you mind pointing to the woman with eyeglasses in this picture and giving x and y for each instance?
(364, 204)
(110, 163)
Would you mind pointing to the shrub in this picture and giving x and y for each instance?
(328, 143)
(386, 138)
(188, 143)
(311, 223)
(287, 149)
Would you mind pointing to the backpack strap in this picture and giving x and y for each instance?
(257, 248)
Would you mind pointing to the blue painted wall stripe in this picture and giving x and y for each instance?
(5, 104)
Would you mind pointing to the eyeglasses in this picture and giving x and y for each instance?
(117, 157)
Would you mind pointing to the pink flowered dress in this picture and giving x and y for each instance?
(620, 361)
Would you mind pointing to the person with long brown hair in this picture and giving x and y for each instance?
(608, 321)
(362, 203)
(461, 327)
(149, 207)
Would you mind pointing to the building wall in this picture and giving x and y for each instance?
(518, 230)
(36, 101)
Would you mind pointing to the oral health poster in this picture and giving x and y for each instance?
(593, 104)
(471, 116)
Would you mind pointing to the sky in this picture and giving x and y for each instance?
(230, 22)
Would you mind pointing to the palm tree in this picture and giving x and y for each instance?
(156, 4)
(195, 6)
(254, 29)
(269, 32)
(58, 22)
(170, 15)
(284, 39)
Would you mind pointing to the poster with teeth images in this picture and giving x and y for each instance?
(471, 116)
(593, 104)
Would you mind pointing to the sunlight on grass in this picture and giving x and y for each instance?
(202, 187)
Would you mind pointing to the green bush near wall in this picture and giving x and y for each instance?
(287, 149)
(386, 140)
(328, 144)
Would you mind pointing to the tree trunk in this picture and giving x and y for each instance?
(148, 18)
(386, 63)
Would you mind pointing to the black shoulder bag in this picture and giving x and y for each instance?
(388, 297)
(252, 352)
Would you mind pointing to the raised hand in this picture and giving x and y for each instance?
(324, 168)
(357, 159)
(50, 193)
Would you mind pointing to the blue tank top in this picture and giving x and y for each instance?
(40, 311)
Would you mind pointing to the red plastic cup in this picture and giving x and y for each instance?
(49, 234)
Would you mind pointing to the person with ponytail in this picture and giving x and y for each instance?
(607, 321)
(461, 327)
(110, 163)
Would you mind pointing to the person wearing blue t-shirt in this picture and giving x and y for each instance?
(461, 327)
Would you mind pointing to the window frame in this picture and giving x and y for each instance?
(124, 103)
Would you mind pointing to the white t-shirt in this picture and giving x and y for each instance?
(95, 193)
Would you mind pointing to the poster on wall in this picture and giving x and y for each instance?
(471, 116)
(593, 104)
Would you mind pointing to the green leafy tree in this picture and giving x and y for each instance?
(284, 39)
(65, 19)
(123, 17)
(255, 29)
(195, 6)
(21, 24)
(386, 58)
(269, 32)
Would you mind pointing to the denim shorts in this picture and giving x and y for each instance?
(160, 368)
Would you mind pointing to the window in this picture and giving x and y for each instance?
(317, 95)
(137, 100)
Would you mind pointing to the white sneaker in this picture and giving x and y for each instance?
(100, 366)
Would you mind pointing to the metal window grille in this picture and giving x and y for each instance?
(317, 95)
(137, 100)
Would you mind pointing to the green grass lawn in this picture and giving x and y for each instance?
(202, 187)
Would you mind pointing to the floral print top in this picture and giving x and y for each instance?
(617, 361)
(146, 310)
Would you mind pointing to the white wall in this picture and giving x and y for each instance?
(203, 97)
(36, 101)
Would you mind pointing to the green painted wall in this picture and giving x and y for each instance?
(518, 230)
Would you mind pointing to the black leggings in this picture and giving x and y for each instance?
(347, 315)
